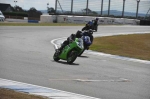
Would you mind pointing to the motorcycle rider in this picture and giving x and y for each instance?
(91, 25)
(95, 24)
(89, 33)
(87, 41)
(88, 26)
(72, 37)
(66, 42)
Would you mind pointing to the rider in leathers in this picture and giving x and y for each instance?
(72, 37)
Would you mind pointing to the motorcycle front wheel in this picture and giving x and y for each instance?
(72, 56)
(55, 56)
(96, 28)
(81, 53)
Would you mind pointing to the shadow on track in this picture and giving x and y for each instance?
(83, 56)
(64, 62)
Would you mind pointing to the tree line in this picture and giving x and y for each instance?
(32, 14)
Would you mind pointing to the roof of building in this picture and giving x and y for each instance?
(4, 7)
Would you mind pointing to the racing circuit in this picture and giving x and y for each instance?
(26, 55)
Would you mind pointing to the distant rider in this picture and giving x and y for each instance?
(95, 24)
(88, 26)
(91, 25)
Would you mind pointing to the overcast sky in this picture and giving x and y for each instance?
(27, 4)
(81, 4)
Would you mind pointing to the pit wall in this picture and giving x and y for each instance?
(85, 19)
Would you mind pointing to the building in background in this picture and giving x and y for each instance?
(5, 7)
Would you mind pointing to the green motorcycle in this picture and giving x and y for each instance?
(70, 52)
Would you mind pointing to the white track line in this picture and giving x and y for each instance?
(39, 90)
(56, 43)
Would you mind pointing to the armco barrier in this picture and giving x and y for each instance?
(144, 22)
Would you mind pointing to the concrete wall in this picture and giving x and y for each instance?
(85, 19)
(46, 19)
(16, 20)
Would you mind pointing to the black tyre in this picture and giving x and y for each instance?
(72, 56)
(96, 28)
(55, 56)
(81, 53)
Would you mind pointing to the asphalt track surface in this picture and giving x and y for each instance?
(26, 55)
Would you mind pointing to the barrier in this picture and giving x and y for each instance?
(62, 18)
(102, 20)
(16, 20)
(46, 19)
(109, 20)
(78, 19)
(85, 19)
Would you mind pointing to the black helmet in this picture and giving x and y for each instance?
(79, 34)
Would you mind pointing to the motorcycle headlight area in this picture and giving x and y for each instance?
(80, 43)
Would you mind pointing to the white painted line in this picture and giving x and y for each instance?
(58, 39)
(39, 90)
(117, 57)
(90, 80)
(122, 33)
(56, 43)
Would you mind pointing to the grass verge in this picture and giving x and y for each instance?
(133, 45)
(10, 94)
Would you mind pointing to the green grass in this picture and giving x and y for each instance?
(38, 24)
(11, 94)
(133, 45)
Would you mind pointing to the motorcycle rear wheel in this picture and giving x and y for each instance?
(72, 56)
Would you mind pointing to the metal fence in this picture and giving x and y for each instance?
(111, 8)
